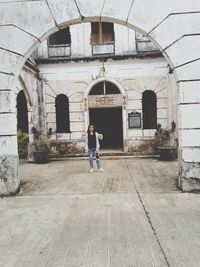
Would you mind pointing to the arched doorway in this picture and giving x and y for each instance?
(22, 112)
(62, 114)
(105, 112)
(149, 108)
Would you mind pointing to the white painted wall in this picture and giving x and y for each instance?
(80, 36)
(125, 42)
(135, 76)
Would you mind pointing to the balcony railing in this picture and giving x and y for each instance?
(103, 49)
(145, 46)
(59, 51)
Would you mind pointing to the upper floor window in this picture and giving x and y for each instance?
(59, 44)
(102, 33)
(60, 38)
(149, 109)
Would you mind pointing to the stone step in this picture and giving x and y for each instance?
(106, 155)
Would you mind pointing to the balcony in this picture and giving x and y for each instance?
(55, 51)
(103, 49)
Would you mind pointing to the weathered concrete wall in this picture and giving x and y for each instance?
(24, 24)
(28, 83)
(136, 76)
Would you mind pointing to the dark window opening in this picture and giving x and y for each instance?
(98, 89)
(112, 89)
(105, 88)
(22, 112)
(61, 37)
(149, 107)
(102, 33)
(62, 114)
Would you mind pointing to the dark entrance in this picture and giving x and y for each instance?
(108, 121)
(22, 112)
(62, 114)
(149, 107)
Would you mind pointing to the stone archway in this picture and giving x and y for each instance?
(115, 127)
(174, 28)
(123, 94)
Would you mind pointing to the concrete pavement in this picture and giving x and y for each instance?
(130, 215)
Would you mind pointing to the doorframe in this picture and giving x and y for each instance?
(124, 106)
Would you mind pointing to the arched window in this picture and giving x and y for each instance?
(22, 112)
(105, 88)
(149, 107)
(62, 114)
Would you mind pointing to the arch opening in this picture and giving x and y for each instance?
(62, 114)
(22, 112)
(105, 112)
(102, 87)
(149, 108)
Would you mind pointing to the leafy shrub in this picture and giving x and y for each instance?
(42, 143)
(62, 149)
(23, 140)
(165, 137)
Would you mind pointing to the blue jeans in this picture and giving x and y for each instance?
(93, 154)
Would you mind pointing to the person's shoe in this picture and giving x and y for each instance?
(101, 170)
(91, 170)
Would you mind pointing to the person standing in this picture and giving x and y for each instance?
(92, 145)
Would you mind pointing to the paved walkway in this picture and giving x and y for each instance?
(130, 215)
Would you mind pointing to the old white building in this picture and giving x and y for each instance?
(100, 73)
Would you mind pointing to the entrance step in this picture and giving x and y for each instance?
(107, 154)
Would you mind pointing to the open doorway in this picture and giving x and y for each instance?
(108, 121)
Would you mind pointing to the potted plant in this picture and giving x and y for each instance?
(23, 140)
(165, 142)
(41, 148)
(62, 149)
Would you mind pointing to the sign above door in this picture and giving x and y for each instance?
(105, 101)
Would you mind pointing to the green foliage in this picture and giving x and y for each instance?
(62, 149)
(164, 137)
(23, 140)
(42, 143)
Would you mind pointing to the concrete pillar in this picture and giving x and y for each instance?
(41, 105)
(189, 135)
(9, 162)
(185, 55)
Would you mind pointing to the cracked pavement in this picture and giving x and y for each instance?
(130, 215)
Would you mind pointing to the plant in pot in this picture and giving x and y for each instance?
(165, 142)
(62, 149)
(41, 148)
(23, 140)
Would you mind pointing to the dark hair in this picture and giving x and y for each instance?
(88, 131)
